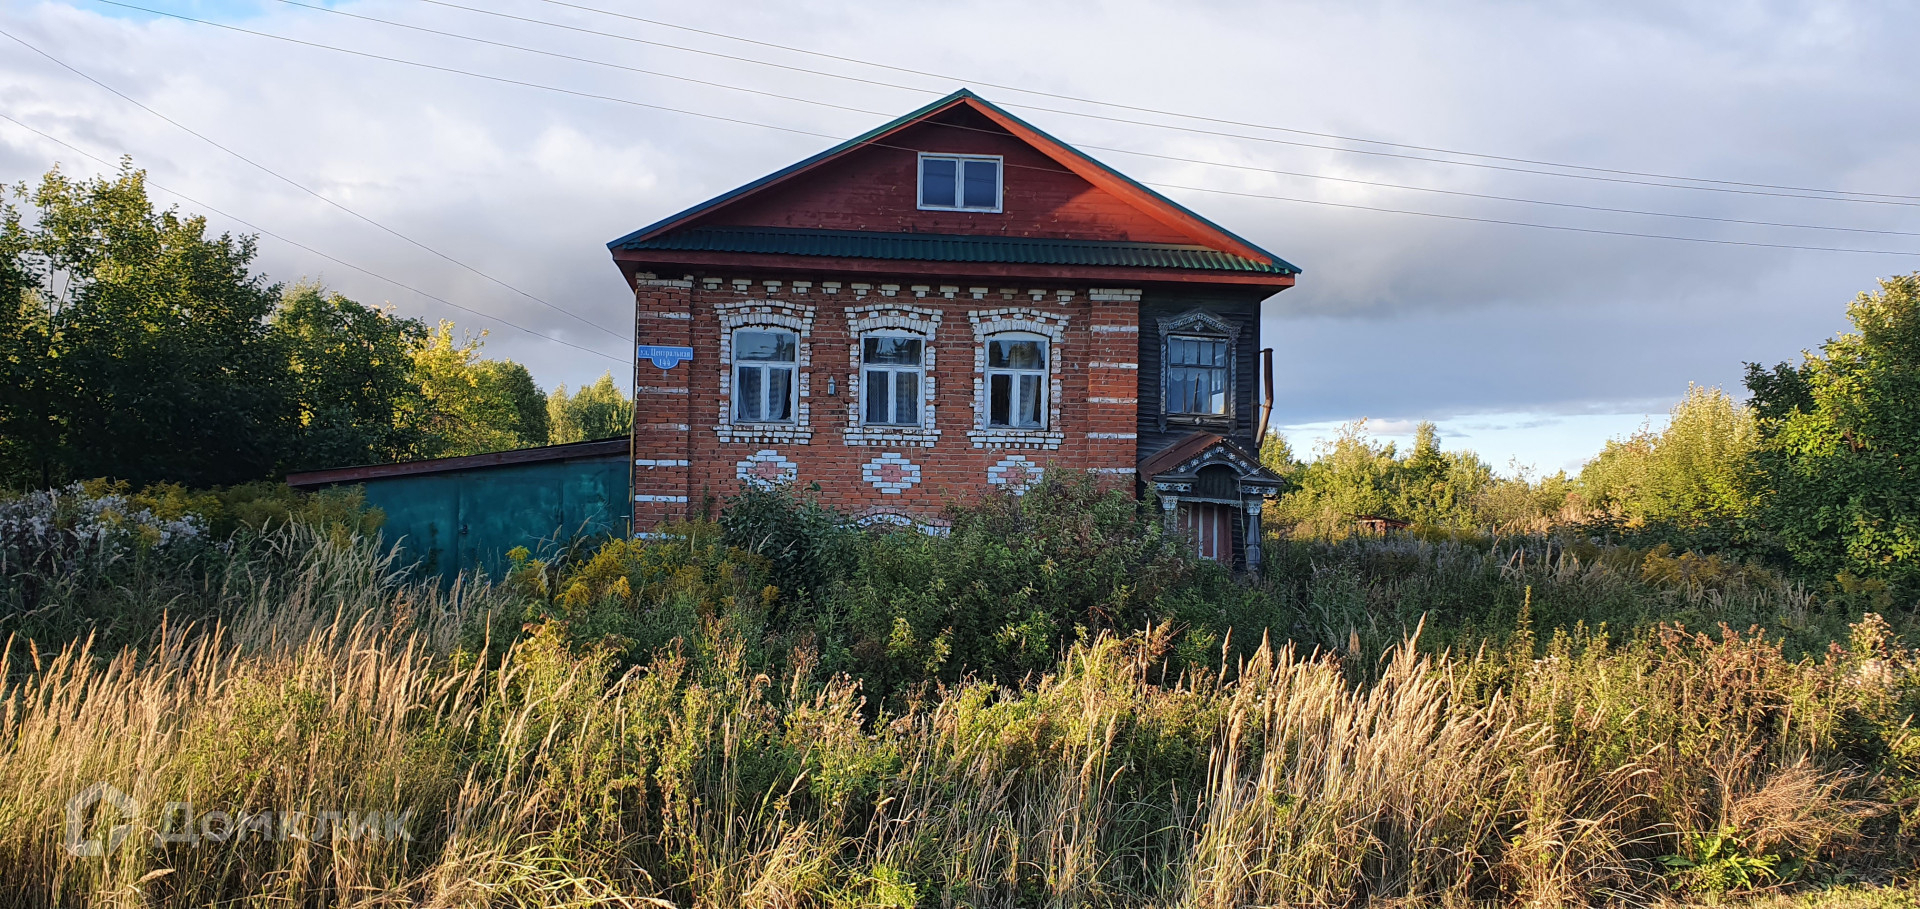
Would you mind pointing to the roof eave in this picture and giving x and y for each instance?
(697, 260)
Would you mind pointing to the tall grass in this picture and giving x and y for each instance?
(548, 771)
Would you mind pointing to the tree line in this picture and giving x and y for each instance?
(1814, 472)
(135, 344)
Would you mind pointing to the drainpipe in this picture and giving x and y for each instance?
(1266, 403)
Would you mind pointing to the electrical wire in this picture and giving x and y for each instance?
(308, 190)
(735, 120)
(295, 243)
(1105, 148)
(1148, 110)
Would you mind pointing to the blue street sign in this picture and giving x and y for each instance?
(665, 357)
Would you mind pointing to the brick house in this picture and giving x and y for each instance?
(950, 303)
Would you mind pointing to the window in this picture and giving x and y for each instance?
(891, 393)
(1196, 375)
(1017, 382)
(763, 376)
(960, 183)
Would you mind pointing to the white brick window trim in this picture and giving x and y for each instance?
(794, 317)
(990, 322)
(891, 318)
(651, 463)
(658, 498)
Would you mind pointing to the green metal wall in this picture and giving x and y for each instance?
(461, 520)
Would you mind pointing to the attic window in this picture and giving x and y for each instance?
(960, 182)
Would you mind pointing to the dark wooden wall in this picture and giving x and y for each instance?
(1237, 308)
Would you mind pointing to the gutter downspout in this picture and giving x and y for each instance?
(1266, 402)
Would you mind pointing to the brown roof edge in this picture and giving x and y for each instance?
(595, 449)
(1169, 457)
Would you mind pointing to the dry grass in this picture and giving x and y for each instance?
(551, 777)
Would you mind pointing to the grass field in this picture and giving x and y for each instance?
(293, 721)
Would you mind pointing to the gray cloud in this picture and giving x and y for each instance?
(1398, 316)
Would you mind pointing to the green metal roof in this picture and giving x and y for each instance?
(919, 247)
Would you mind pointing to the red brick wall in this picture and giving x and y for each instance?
(678, 415)
(875, 187)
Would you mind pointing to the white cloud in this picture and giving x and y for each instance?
(1395, 314)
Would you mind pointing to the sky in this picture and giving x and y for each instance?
(1530, 345)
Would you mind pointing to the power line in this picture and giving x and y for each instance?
(1105, 148)
(1156, 111)
(626, 101)
(295, 243)
(1534, 224)
(304, 188)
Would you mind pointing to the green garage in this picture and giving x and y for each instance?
(461, 514)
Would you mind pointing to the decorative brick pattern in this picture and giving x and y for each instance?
(795, 317)
(1015, 473)
(932, 526)
(894, 318)
(766, 468)
(891, 473)
(901, 476)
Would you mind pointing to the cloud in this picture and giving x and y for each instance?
(1398, 314)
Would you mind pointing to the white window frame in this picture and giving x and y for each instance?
(1043, 377)
(893, 387)
(793, 383)
(959, 185)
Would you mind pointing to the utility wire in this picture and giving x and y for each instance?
(642, 104)
(309, 191)
(1148, 110)
(1104, 148)
(295, 243)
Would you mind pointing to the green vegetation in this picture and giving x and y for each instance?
(135, 345)
(1042, 709)
(597, 411)
(1685, 675)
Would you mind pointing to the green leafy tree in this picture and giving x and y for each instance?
(143, 342)
(352, 368)
(1696, 472)
(1839, 441)
(469, 405)
(29, 434)
(1276, 454)
(1435, 489)
(597, 411)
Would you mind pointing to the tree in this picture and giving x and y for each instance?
(1695, 473)
(468, 405)
(142, 342)
(352, 371)
(1276, 454)
(597, 411)
(1839, 439)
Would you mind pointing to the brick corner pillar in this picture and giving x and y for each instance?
(1113, 383)
(662, 399)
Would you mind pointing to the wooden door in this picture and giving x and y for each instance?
(1210, 526)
